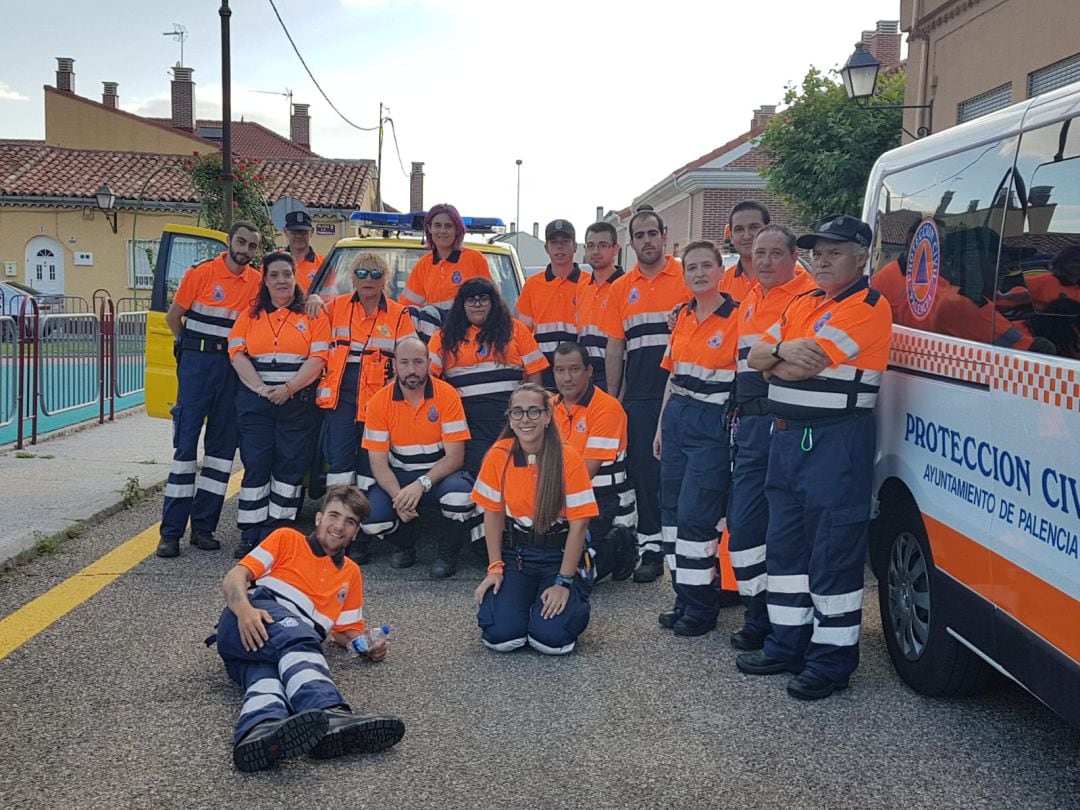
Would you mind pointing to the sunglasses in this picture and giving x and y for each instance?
(361, 273)
(534, 412)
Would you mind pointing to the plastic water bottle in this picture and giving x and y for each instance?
(371, 638)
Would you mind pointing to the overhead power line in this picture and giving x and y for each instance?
(393, 131)
(314, 81)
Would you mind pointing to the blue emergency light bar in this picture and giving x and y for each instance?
(414, 221)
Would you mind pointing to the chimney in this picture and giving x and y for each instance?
(109, 96)
(65, 74)
(183, 99)
(599, 213)
(416, 187)
(762, 116)
(536, 230)
(300, 125)
(883, 43)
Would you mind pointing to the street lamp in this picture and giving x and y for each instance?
(106, 203)
(517, 211)
(860, 75)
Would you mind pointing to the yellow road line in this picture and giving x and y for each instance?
(32, 618)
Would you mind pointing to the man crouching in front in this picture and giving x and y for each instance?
(283, 599)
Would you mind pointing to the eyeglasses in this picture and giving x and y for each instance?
(361, 273)
(534, 412)
(478, 300)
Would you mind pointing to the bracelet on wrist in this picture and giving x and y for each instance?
(288, 389)
(564, 580)
(497, 567)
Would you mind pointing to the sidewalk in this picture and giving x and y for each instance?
(78, 476)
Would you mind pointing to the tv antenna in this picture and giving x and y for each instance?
(287, 93)
(179, 33)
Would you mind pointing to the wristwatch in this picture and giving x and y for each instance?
(776, 350)
(425, 482)
(564, 580)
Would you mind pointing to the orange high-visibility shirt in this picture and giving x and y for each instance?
(279, 342)
(356, 337)
(415, 436)
(436, 281)
(953, 313)
(761, 309)
(853, 329)
(507, 483)
(484, 379)
(324, 592)
(637, 312)
(214, 298)
(736, 282)
(591, 314)
(548, 306)
(595, 427)
(307, 268)
(702, 355)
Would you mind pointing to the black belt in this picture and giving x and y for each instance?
(755, 407)
(212, 345)
(801, 424)
(520, 537)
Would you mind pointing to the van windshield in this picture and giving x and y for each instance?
(401, 260)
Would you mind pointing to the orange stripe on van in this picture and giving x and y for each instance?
(1039, 606)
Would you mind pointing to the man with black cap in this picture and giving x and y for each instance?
(548, 302)
(823, 361)
(297, 232)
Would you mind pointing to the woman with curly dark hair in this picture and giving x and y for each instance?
(484, 352)
(278, 352)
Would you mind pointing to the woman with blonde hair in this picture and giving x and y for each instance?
(364, 327)
(537, 500)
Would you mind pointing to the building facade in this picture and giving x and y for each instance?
(967, 58)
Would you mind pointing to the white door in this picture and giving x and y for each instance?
(45, 265)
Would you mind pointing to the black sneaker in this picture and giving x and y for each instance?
(808, 686)
(758, 663)
(356, 734)
(275, 740)
(245, 548)
(649, 571)
(668, 618)
(747, 638)
(404, 557)
(204, 541)
(168, 547)
(360, 551)
(689, 626)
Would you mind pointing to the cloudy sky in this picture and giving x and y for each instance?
(600, 100)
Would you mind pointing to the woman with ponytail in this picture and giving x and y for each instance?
(537, 500)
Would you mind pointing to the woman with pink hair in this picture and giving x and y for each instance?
(435, 279)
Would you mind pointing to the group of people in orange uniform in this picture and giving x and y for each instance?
(614, 421)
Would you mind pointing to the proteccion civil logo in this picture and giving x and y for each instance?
(433, 414)
(218, 294)
(923, 268)
(456, 278)
(634, 295)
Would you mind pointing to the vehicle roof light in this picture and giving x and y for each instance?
(414, 221)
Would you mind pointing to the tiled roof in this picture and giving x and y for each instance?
(253, 140)
(32, 169)
(723, 150)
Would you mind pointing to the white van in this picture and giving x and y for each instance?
(977, 247)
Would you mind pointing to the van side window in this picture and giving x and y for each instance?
(944, 219)
(1039, 272)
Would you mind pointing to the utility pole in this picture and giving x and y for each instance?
(226, 121)
(378, 165)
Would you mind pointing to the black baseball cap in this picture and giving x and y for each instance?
(838, 228)
(298, 221)
(559, 227)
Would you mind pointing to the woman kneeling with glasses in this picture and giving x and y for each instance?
(540, 577)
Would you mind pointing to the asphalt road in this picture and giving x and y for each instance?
(118, 704)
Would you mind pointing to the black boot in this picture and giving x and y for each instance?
(404, 540)
(274, 740)
(357, 734)
(448, 549)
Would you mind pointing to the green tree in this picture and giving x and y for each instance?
(249, 194)
(823, 146)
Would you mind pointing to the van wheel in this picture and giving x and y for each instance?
(927, 658)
